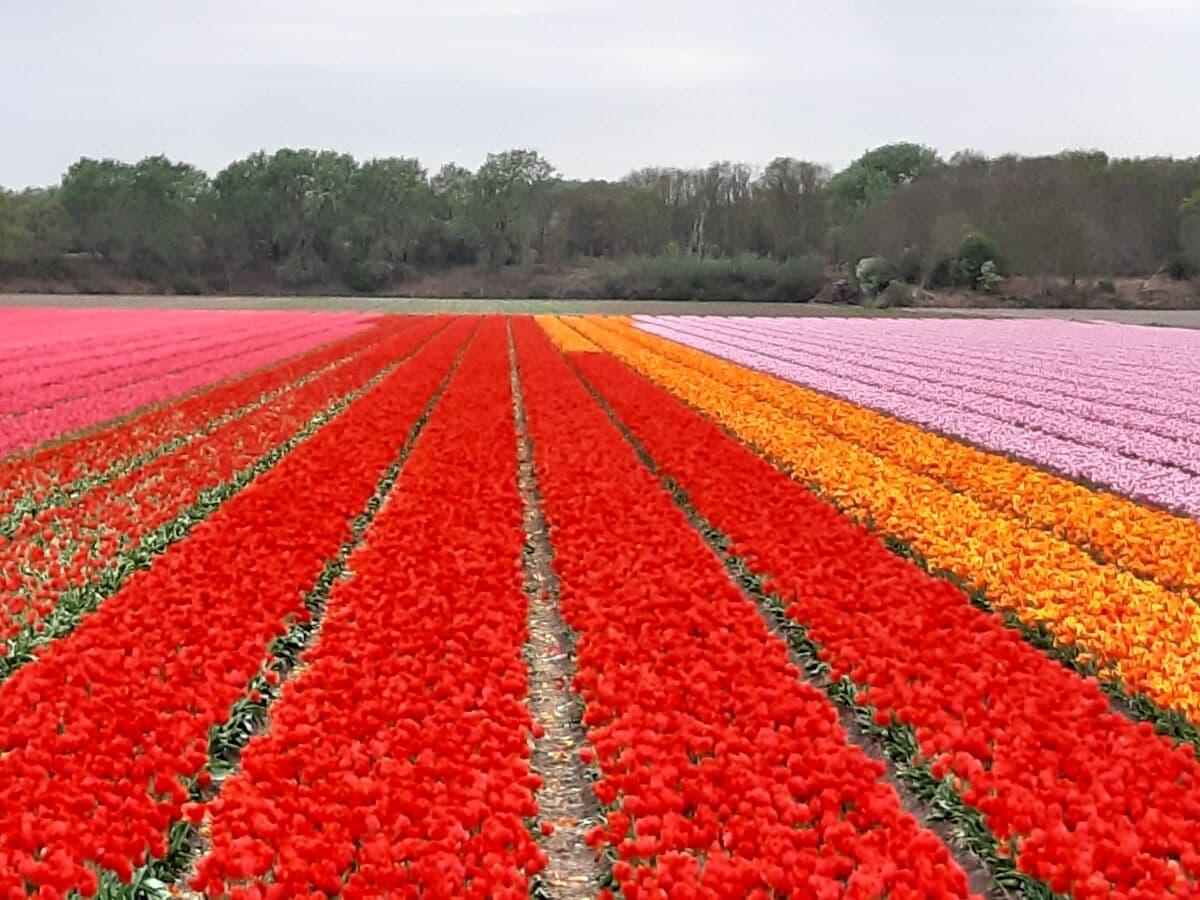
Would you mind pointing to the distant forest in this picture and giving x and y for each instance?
(299, 220)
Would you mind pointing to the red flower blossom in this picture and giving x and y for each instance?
(99, 732)
(398, 759)
(1098, 806)
(710, 745)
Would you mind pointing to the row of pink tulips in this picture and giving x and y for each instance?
(1128, 460)
(72, 399)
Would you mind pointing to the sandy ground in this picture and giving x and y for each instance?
(1167, 318)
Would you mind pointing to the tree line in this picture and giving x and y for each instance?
(297, 219)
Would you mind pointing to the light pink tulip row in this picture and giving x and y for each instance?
(1104, 403)
(63, 370)
(1048, 373)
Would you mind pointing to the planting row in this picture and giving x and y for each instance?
(1010, 392)
(1083, 800)
(59, 561)
(1113, 527)
(74, 386)
(1137, 630)
(103, 733)
(722, 771)
(398, 759)
(52, 473)
(1093, 368)
(1115, 446)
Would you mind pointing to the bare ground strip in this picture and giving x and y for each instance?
(565, 801)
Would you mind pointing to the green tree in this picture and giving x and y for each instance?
(791, 197)
(508, 204)
(284, 211)
(34, 231)
(93, 193)
(451, 236)
(989, 277)
(873, 177)
(143, 216)
(387, 208)
(873, 274)
(976, 251)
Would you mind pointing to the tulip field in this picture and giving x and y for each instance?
(349, 605)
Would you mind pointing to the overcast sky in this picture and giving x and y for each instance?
(598, 86)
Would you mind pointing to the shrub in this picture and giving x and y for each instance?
(873, 274)
(800, 278)
(299, 270)
(186, 283)
(942, 273)
(976, 249)
(366, 275)
(680, 276)
(989, 279)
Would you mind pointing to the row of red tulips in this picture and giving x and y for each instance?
(397, 763)
(101, 734)
(73, 547)
(30, 481)
(1085, 800)
(723, 772)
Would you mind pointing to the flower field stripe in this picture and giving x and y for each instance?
(98, 349)
(76, 354)
(249, 714)
(57, 372)
(1141, 635)
(925, 797)
(1025, 434)
(1087, 802)
(1149, 542)
(100, 736)
(722, 770)
(976, 380)
(922, 392)
(55, 598)
(56, 474)
(80, 545)
(1067, 353)
(564, 337)
(102, 457)
(61, 335)
(26, 389)
(95, 400)
(42, 331)
(398, 760)
(1094, 376)
(55, 387)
